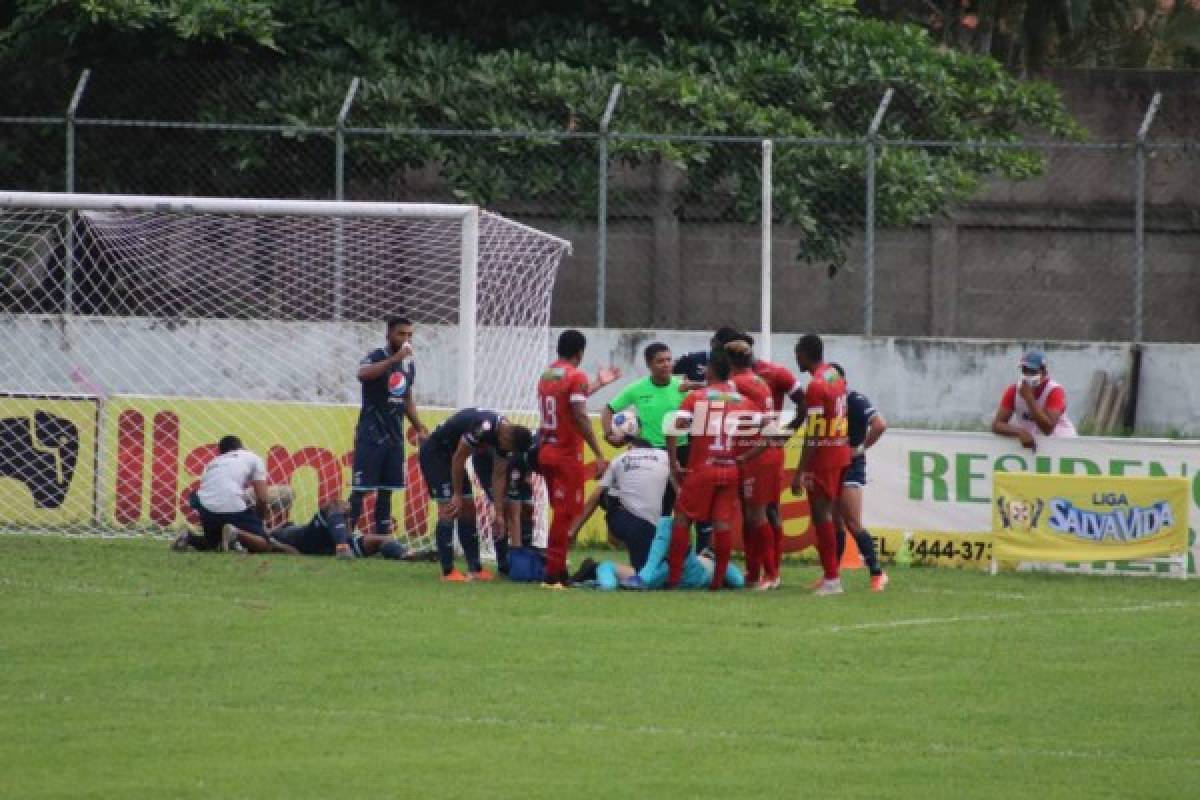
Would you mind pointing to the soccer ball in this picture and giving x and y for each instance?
(625, 424)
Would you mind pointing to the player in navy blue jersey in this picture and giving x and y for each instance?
(866, 425)
(324, 533)
(515, 509)
(387, 375)
(444, 467)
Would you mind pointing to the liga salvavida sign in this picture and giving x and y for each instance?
(936, 486)
(1088, 518)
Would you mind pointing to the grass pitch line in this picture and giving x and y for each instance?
(1048, 612)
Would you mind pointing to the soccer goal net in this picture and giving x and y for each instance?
(140, 330)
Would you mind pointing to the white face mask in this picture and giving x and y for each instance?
(1031, 380)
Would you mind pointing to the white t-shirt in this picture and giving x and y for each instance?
(225, 479)
(638, 477)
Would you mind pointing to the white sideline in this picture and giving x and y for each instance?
(1048, 612)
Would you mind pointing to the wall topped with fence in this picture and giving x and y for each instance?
(863, 233)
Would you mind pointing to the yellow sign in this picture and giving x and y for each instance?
(47, 460)
(1088, 518)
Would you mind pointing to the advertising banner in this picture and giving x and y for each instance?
(47, 460)
(930, 483)
(1088, 518)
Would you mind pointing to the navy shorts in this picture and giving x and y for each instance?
(378, 464)
(310, 539)
(435, 470)
(212, 522)
(521, 467)
(632, 531)
(856, 473)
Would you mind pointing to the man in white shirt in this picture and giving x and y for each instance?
(221, 499)
(632, 487)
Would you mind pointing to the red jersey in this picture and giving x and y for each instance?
(754, 389)
(715, 446)
(782, 381)
(560, 385)
(825, 398)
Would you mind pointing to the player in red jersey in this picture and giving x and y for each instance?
(712, 417)
(826, 452)
(562, 401)
(784, 384)
(761, 472)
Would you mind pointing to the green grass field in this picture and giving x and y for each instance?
(129, 671)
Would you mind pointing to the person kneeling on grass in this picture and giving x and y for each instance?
(632, 490)
(697, 569)
(225, 513)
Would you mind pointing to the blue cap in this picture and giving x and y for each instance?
(1033, 360)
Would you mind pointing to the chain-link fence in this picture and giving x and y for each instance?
(873, 231)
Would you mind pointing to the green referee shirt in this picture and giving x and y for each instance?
(653, 403)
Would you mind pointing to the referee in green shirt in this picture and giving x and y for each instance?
(653, 397)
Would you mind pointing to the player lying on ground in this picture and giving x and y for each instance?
(708, 488)
(444, 458)
(631, 490)
(321, 536)
(697, 569)
(516, 505)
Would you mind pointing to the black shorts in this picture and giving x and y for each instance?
(435, 470)
(632, 531)
(312, 539)
(856, 473)
(378, 463)
(521, 467)
(212, 522)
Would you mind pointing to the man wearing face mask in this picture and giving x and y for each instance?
(1035, 404)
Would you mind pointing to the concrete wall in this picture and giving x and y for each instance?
(939, 383)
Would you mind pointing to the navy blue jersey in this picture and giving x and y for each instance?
(693, 366)
(384, 399)
(859, 413)
(478, 427)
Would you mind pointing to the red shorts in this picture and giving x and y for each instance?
(710, 495)
(828, 482)
(762, 478)
(565, 483)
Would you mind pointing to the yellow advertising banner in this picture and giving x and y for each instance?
(47, 460)
(1088, 518)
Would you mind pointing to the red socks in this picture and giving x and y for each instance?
(722, 546)
(752, 546)
(558, 540)
(681, 541)
(777, 536)
(827, 548)
(766, 543)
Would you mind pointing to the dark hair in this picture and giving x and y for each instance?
(522, 438)
(811, 346)
(740, 358)
(652, 350)
(719, 365)
(228, 444)
(727, 334)
(839, 369)
(395, 322)
(571, 343)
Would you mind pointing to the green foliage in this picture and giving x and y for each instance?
(757, 68)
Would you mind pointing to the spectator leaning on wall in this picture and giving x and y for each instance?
(1036, 405)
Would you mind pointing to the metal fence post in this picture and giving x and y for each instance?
(869, 243)
(340, 195)
(764, 349)
(602, 206)
(1139, 222)
(69, 239)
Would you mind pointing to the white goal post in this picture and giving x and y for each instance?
(199, 310)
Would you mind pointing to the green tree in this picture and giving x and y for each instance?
(778, 68)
